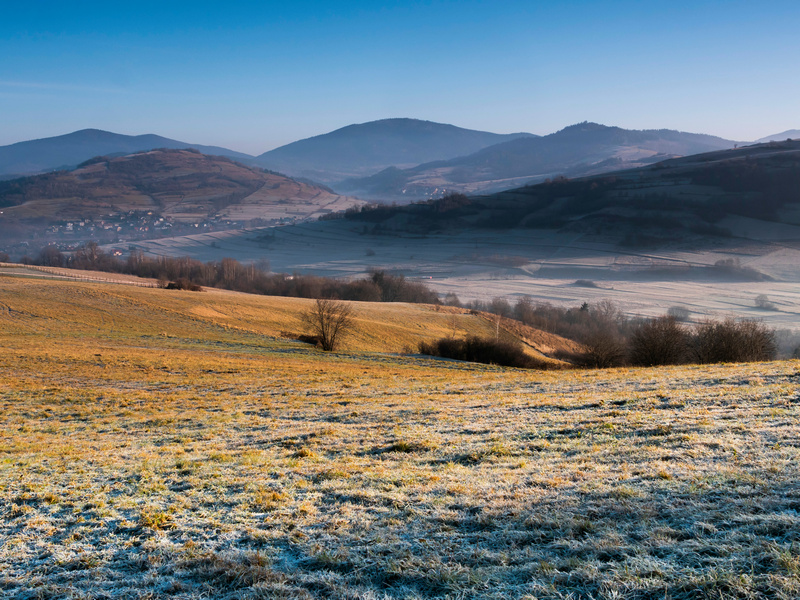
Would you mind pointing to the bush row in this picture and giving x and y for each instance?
(482, 350)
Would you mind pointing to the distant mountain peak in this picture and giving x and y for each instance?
(367, 148)
(581, 149)
(71, 149)
(586, 126)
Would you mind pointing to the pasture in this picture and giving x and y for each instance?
(157, 443)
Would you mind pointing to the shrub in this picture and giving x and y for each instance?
(606, 348)
(681, 313)
(395, 288)
(482, 350)
(314, 340)
(660, 341)
(50, 256)
(588, 283)
(762, 301)
(734, 341)
(603, 329)
(500, 306)
(450, 299)
(183, 284)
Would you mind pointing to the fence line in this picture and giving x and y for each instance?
(58, 271)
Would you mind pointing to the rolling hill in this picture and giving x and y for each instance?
(180, 185)
(366, 148)
(582, 149)
(377, 326)
(67, 151)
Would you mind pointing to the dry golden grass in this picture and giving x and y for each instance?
(78, 309)
(148, 450)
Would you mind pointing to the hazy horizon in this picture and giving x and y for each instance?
(257, 77)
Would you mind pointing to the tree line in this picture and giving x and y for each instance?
(230, 274)
(613, 339)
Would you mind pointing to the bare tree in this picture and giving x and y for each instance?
(660, 341)
(604, 337)
(679, 313)
(605, 348)
(763, 302)
(329, 320)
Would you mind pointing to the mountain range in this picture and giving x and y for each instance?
(364, 149)
(402, 159)
(582, 149)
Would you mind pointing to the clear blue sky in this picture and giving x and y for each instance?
(253, 76)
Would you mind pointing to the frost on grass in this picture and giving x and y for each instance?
(221, 468)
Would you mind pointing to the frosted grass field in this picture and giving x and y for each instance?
(179, 456)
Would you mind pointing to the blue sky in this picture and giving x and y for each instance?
(253, 76)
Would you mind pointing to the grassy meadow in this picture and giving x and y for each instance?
(158, 443)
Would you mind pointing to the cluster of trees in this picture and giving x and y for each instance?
(773, 181)
(256, 278)
(613, 339)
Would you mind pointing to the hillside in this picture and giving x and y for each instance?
(167, 442)
(366, 148)
(792, 134)
(582, 149)
(670, 200)
(179, 186)
(378, 327)
(67, 151)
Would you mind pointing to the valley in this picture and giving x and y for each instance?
(550, 267)
(708, 233)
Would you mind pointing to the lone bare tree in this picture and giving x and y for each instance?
(329, 320)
